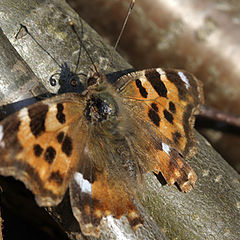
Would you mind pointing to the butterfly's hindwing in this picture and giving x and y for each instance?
(101, 198)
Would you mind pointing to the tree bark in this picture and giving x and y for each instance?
(210, 211)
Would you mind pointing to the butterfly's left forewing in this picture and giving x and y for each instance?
(40, 145)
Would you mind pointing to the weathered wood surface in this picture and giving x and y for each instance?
(210, 211)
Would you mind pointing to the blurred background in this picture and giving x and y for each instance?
(201, 37)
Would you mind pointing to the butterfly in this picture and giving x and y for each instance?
(100, 142)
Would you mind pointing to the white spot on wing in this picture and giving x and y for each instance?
(160, 71)
(84, 184)
(23, 114)
(2, 143)
(166, 148)
(143, 79)
(184, 79)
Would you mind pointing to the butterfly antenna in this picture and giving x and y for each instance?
(130, 8)
(80, 50)
(34, 39)
(82, 45)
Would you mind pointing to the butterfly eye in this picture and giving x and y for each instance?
(73, 82)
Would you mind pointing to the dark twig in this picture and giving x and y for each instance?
(215, 114)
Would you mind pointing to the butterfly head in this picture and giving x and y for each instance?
(95, 81)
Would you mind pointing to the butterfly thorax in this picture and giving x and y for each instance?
(101, 105)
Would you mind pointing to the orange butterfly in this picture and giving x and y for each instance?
(100, 142)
